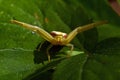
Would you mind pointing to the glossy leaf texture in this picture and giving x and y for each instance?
(101, 46)
(103, 64)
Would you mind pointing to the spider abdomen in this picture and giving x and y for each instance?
(59, 37)
(57, 33)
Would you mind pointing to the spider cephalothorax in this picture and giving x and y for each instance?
(56, 37)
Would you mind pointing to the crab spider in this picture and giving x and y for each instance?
(56, 37)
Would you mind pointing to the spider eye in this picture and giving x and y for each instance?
(57, 33)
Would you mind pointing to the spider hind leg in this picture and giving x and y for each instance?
(71, 49)
(44, 51)
(52, 50)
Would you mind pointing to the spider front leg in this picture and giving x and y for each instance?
(77, 30)
(36, 29)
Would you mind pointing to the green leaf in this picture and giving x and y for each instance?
(101, 58)
(104, 64)
(71, 68)
(15, 64)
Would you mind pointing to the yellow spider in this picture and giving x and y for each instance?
(56, 37)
